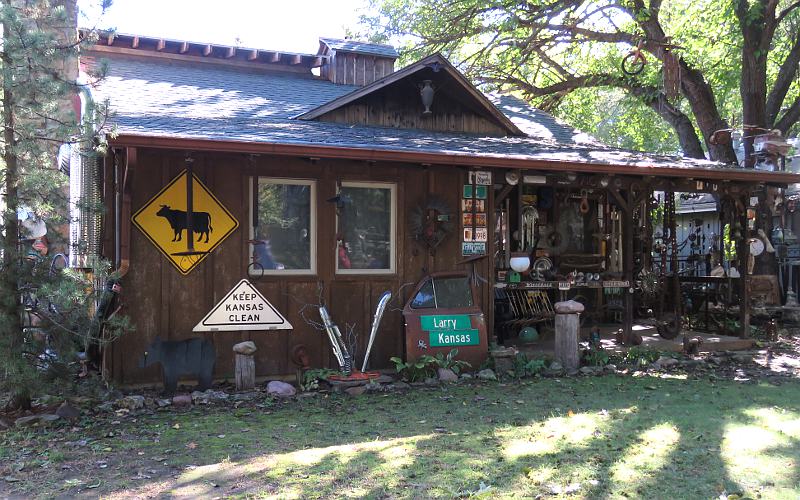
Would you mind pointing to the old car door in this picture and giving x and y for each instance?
(442, 314)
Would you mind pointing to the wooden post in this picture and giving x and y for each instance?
(566, 348)
(743, 253)
(245, 368)
(245, 372)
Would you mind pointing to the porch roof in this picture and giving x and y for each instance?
(165, 102)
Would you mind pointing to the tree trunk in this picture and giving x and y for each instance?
(9, 293)
(704, 107)
(684, 129)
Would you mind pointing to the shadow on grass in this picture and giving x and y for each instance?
(588, 437)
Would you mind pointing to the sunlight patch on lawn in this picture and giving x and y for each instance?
(374, 458)
(553, 435)
(765, 449)
(648, 455)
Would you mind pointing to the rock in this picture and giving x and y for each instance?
(41, 419)
(556, 366)
(590, 370)
(487, 374)
(244, 396)
(356, 391)
(208, 396)
(5, 424)
(373, 387)
(742, 358)
(108, 406)
(68, 411)
(385, 379)
(282, 389)
(133, 402)
(398, 386)
(447, 375)
(432, 381)
(467, 376)
(248, 347)
(568, 307)
(182, 400)
(715, 360)
(161, 403)
(610, 368)
(664, 362)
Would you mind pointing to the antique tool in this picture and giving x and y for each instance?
(376, 320)
(530, 216)
(343, 356)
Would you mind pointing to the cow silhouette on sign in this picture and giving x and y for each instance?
(201, 222)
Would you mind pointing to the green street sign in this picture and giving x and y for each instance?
(454, 338)
(446, 322)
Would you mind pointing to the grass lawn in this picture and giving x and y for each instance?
(611, 437)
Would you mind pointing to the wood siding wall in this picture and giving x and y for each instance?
(404, 110)
(161, 302)
(356, 69)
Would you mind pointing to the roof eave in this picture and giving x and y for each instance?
(452, 159)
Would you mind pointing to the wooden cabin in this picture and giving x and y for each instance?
(330, 178)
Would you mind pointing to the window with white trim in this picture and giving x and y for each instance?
(366, 228)
(283, 231)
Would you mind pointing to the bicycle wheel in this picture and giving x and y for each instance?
(633, 64)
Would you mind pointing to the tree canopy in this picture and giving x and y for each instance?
(710, 64)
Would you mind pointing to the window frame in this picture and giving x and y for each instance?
(392, 187)
(291, 181)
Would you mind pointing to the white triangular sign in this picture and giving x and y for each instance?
(243, 308)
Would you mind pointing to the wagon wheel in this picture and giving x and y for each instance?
(669, 326)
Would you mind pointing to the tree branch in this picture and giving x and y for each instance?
(783, 82)
(789, 118)
(785, 12)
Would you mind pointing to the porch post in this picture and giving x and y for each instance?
(743, 254)
(627, 233)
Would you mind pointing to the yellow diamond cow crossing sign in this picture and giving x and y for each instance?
(185, 239)
(243, 308)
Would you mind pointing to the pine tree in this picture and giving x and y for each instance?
(45, 313)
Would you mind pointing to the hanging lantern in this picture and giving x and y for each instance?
(426, 92)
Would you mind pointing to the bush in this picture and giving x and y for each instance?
(524, 367)
(414, 371)
(450, 363)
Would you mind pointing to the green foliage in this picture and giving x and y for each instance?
(728, 243)
(564, 57)
(46, 313)
(640, 356)
(524, 367)
(311, 378)
(414, 371)
(449, 362)
(596, 356)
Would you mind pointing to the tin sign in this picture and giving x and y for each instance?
(445, 330)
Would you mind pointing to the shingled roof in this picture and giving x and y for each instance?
(374, 49)
(166, 99)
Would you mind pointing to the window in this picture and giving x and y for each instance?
(444, 293)
(365, 228)
(284, 227)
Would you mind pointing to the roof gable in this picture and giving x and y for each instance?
(394, 101)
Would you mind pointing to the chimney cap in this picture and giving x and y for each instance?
(372, 49)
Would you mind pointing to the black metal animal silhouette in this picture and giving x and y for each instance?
(201, 222)
(193, 356)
